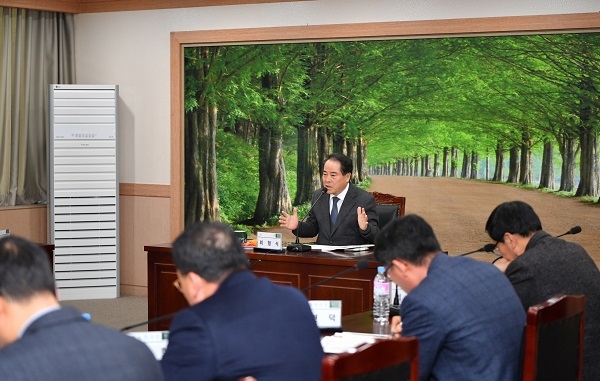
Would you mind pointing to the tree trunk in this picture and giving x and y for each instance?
(526, 172)
(273, 195)
(201, 201)
(350, 145)
(588, 165)
(436, 164)
(513, 165)
(568, 153)
(547, 172)
(304, 175)
(487, 166)
(474, 165)
(338, 141)
(588, 138)
(466, 165)
(454, 162)
(499, 167)
(446, 162)
(323, 149)
(361, 158)
(416, 163)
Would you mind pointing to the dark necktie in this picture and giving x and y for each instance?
(334, 210)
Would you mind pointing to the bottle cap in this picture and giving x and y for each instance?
(380, 269)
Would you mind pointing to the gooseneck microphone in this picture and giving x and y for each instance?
(573, 230)
(487, 248)
(362, 264)
(155, 320)
(297, 246)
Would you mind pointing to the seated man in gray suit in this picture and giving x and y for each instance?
(465, 313)
(347, 217)
(39, 340)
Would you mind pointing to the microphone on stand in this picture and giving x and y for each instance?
(395, 307)
(297, 246)
(155, 320)
(487, 248)
(362, 264)
(573, 230)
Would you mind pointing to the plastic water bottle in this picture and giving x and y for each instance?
(381, 297)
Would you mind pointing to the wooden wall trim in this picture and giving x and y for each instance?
(96, 6)
(144, 190)
(176, 217)
(92, 6)
(64, 6)
(401, 29)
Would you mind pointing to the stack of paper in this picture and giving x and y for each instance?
(342, 342)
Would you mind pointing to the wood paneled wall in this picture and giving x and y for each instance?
(29, 221)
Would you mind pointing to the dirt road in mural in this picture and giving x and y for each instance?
(458, 209)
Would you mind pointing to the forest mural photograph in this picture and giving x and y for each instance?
(260, 119)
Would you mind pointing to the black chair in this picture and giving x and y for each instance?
(388, 207)
(386, 213)
(386, 359)
(554, 339)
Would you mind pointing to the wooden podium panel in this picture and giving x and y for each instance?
(300, 270)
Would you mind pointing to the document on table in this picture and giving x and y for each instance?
(343, 248)
(342, 342)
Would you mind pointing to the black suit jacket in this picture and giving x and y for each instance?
(62, 345)
(346, 230)
(551, 266)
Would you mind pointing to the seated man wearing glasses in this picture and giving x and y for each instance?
(39, 340)
(540, 266)
(465, 314)
(237, 325)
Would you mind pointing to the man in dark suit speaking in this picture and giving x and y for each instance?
(238, 325)
(39, 340)
(347, 217)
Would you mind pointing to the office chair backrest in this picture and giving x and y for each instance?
(388, 207)
(386, 359)
(554, 339)
(386, 213)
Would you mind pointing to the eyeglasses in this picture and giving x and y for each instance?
(387, 268)
(497, 249)
(177, 285)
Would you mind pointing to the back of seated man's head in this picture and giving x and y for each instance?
(515, 217)
(24, 270)
(209, 249)
(409, 238)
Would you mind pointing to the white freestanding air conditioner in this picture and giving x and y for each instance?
(83, 201)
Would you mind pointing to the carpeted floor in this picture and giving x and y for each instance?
(115, 313)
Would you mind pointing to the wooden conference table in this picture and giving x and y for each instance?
(300, 270)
